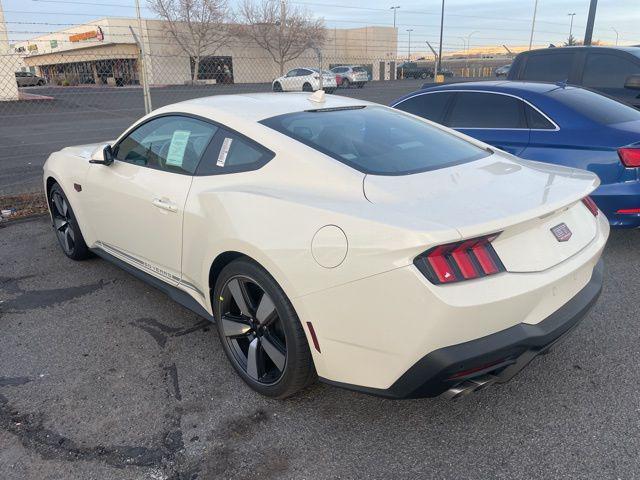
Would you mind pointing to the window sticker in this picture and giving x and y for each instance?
(175, 155)
(224, 151)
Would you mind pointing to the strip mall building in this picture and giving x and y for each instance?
(105, 52)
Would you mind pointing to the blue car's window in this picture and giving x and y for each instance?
(377, 140)
(486, 110)
(429, 105)
(596, 107)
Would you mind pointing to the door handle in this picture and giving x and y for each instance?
(165, 204)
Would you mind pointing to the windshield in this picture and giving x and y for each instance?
(376, 140)
(594, 106)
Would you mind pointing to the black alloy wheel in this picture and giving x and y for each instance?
(65, 225)
(260, 332)
(277, 87)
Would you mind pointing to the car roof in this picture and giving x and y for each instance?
(631, 49)
(256, 106)
(507, 86)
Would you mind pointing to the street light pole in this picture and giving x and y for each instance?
(439, 63)
(616, 35)
(571, 24)
(533, 23)
(466, 56)
(394, 14)
(409, 30)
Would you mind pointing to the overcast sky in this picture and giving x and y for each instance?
(489, 22)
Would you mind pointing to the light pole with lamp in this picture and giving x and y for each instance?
(617, 35)
(571, 25)
(467, 52)
(409, 55)
(395, 9)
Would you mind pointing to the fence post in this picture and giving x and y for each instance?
(319, 54)
(143, 63)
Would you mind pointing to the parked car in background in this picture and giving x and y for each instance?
(614, 71)
(414, 70)
(502, 71)
(305, 80)
(446, 72)
(332, 237)
(351, 75)
(545, 122)
(28, 79)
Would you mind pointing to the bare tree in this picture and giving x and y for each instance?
(198, 27)
(285, 32)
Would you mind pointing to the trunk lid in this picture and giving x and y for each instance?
(523, 200)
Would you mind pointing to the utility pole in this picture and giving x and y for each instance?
(571, 24)
(395, 9)
(466, 56)
(533, 23)
(143, 65)
(409, 56)
(588, 34)
(616, 35)
(439, 63)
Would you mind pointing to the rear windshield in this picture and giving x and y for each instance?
(596, 107)
(358, 69)
(377, 140)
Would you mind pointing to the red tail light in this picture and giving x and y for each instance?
(591, 205)
(456, 262)
(630, 157)
(629, 211)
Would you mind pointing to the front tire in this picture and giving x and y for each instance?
(260, 331)
(277, 87)
(66, 226)
(345, 83)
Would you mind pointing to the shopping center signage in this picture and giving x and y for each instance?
(79, 37)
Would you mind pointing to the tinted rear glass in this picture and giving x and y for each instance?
(358, 69)
(548, 67)
(377, 140)
(430, 105)
(596, 107)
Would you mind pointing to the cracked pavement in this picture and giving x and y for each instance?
(104, 377)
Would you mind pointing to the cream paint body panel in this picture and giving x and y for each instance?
(373, 330)
(127, 202)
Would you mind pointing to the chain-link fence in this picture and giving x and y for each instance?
(79, 84)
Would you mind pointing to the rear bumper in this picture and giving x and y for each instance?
(503, 354)
(618, 196)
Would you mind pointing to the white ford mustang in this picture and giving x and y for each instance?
(338, 238)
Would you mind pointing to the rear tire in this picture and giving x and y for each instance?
(307, 87)
(66, 226)
(266, 345)
(345, 83)
(361, 84)
(329, 90)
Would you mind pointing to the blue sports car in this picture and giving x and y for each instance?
(549, 123)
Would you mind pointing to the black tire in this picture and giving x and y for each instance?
(307, 87)
(66, 226)
(345, 83)
(247, 334)
(360, 84)
(277, 87)
(40, 83)
(329, 90)
(423, 75)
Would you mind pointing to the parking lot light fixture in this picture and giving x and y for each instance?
(395, 9)
(409, 54)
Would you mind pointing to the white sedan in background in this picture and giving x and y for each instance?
(305, 80)
(338, 238)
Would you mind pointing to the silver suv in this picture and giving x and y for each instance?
(28, 79)
(351, 75)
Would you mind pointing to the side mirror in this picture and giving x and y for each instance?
(106, 158)
(632, 82)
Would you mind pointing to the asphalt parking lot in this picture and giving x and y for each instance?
(103, 377)
(31, 130)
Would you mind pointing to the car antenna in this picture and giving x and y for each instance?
(318, 96)
(562, 83)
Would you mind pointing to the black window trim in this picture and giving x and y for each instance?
(448, 108)
(219, 127)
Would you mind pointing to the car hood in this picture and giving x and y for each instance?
(484, 196)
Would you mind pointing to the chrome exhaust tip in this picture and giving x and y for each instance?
(467, 387)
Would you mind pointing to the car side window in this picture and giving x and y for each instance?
(430, 106)
(604, 70)
(537, 121)
(292, 73)
(171, 143)
(303, 72)
(486, 110)
(548, 67)
(230, 152)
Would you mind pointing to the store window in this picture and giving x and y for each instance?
(215, 68)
